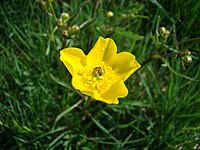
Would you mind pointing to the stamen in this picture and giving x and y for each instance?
(97, 78)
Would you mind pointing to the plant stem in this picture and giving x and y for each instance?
(173, 54)
(146, 61)
(53, 12)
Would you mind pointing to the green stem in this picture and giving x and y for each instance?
(66, 111)
(173, 54)
(53, 12)
(185, 41)
(167, 65)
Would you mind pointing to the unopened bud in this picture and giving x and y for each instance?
(109, 14)
(188, 59)
(187, 52)
(73, 30)
(65, 16)
(164, 32)
(60, 22)
(123, 15)
(43, 3)
(65, 33)
(187, 56)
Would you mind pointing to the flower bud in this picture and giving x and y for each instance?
(164, 32)
(65, 33)
(187, 52)
(123, 15)
(188, 59)
(187, 56)
(73, 30)
(60, 22)
(109, 14)
(65, 16)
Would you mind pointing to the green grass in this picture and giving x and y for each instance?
(39, 108)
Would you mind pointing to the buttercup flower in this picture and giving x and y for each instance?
(101, 73)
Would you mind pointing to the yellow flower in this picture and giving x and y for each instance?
(101, 73)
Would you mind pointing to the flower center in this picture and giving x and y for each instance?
(98, 72)
(96, 78)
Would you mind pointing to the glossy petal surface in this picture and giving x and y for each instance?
(116, 90)
(73, 59)
(123, 64)
(102, 51)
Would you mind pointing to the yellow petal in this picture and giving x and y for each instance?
(116, 90)
(77, 84)
(103, 50)
(73, 59)
(123, 64)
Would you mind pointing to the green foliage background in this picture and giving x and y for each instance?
(40, 110)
